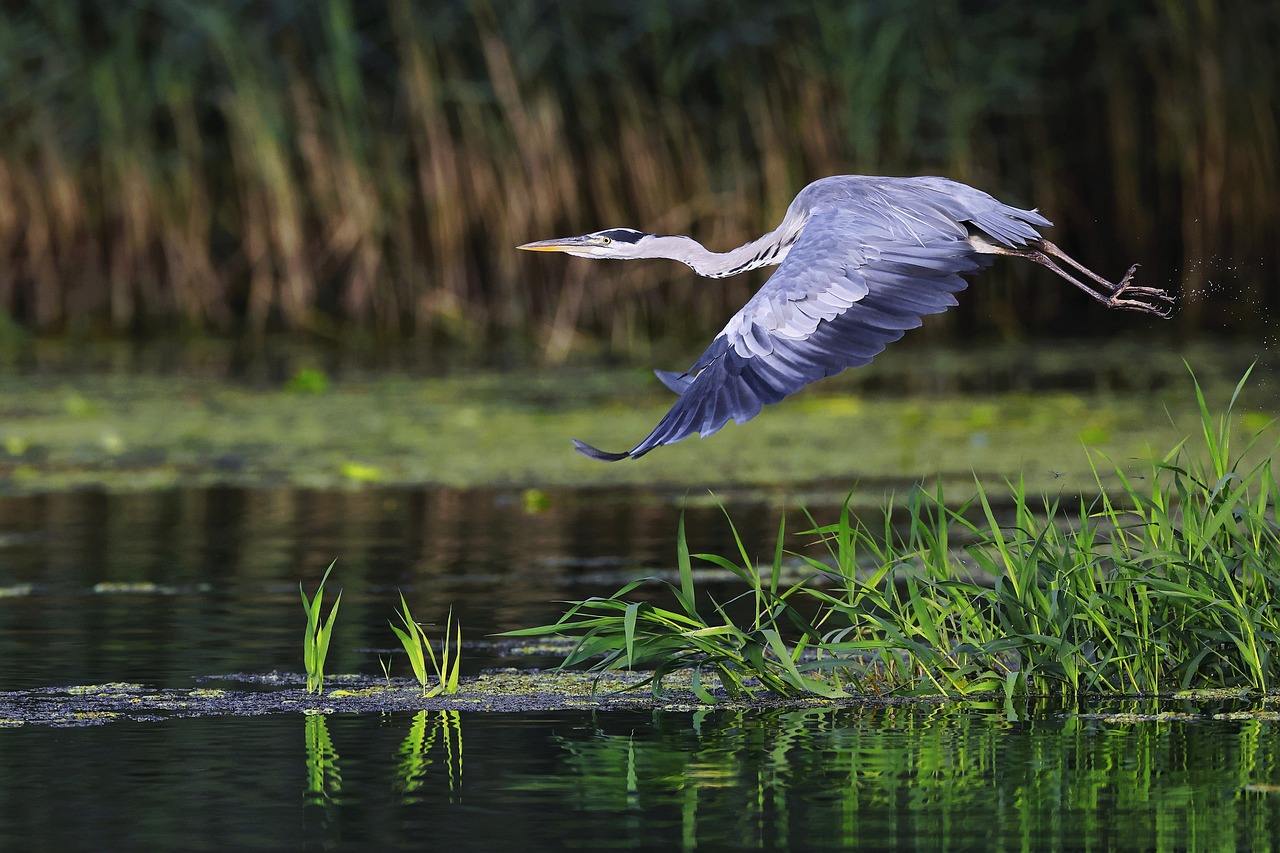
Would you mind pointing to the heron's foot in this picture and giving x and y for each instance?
(1149, 300)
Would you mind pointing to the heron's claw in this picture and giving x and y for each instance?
(1149, 300)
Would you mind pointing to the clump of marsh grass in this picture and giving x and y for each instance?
(1166, 583)
(699, 635)
(315, 642)
(417, 646)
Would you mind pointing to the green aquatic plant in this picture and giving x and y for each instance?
(698, 634)
(1165, 583)
(315, 643)
(417, 646)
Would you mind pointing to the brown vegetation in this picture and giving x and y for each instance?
(336, 166)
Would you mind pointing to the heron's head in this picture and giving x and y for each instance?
(611, 243)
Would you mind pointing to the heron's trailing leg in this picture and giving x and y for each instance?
(1151, 300)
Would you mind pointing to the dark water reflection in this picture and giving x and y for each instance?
(159, 587)
(905, 778)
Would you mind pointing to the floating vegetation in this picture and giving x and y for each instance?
(126, 587)
(501, 691)
(532, 690)
(361, 473)
(392, 429)
(114, 688)
(148, 588)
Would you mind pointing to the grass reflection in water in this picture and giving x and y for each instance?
(434, 739)
(955, 775)
(925, 778)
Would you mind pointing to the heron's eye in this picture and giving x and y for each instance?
(605, 240)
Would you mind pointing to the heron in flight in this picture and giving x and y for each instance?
(861, 260)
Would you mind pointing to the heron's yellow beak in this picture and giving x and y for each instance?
(560, 245)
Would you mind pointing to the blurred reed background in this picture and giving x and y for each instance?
(366, 168)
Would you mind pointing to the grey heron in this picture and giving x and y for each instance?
(862, 259)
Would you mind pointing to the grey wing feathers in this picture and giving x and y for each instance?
(854, 282)
(677, 382)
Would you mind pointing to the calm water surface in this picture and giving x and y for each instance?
(959, 778)
(158, 587)
(163, 588)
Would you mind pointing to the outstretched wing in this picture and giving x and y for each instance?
(850, 285)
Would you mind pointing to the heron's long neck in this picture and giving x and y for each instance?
(765, 251)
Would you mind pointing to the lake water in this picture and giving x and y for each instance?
(165, 587)
(157, 587)
(888, 779)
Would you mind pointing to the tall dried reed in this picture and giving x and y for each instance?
(335, 166)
